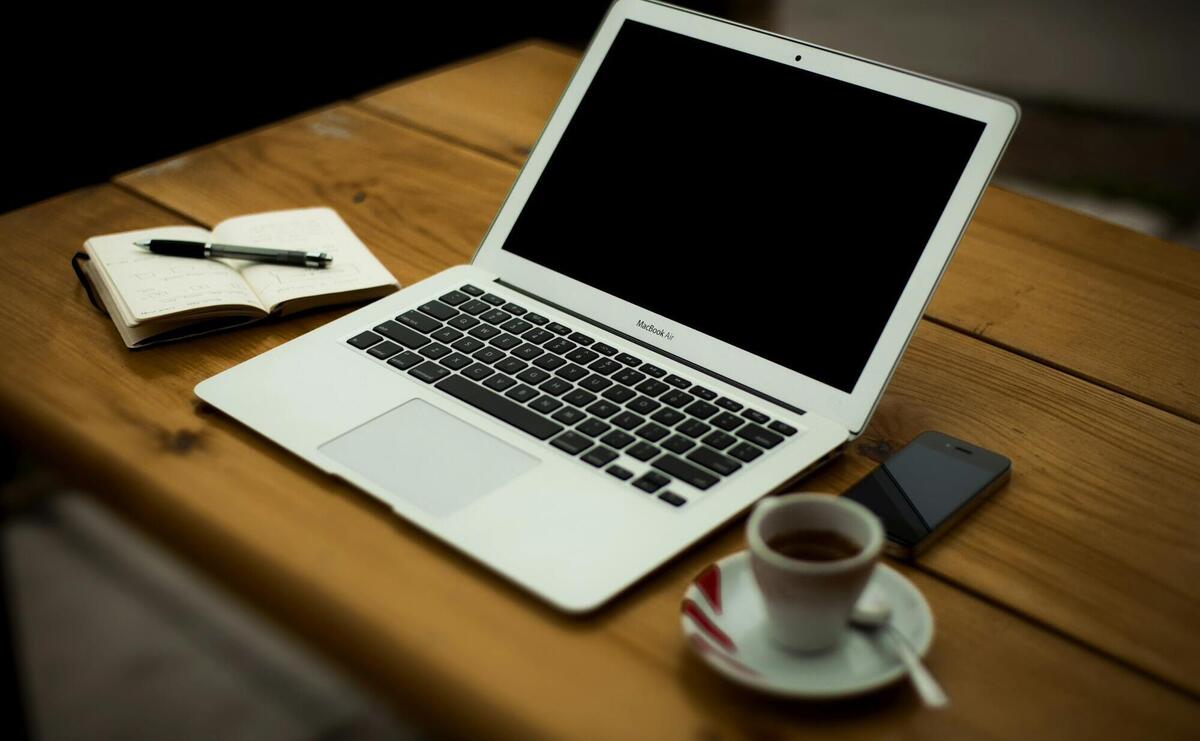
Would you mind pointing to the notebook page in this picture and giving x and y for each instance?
(310, 229)
(148, 285)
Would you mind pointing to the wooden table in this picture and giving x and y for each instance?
(1066, 607)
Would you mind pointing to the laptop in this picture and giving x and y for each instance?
(694, 294)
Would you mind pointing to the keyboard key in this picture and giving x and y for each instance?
(704, 393)
(579, 398)
(714, 461)
(604, 366)
(549, 362)
(536, 375)
(554, 386)
(692, 428)
(642, 405)
(446, 334)
(581, 355)
(593, 428)
(478, 372)
(651, 481)
(604, 409)
(484, 332)
(580, 338)
(463, 322)
(557, 328)
(755, 416)
(471, 290)
(560, 346)
(667, 416)
(521, 393)
(599, 456)
(402, 334)
(495, 316)
(429, 372)
(545, 404)
(627, 420)
(569, 415)
(672, 499)
(454, 298)
(363, 340)
(572, 442)
(384, 350)
(643, 451)
(435, 351)
(492, 299)
(729, 404)
(629, 377)
(617, 439)
(603, 349)
(487, 355)
(516, 326)
(782, 428)
(685, 471)
(527, 351)
(726, 421)
(535, 318)
(678, 444)
(499, 382)
(701, 409)
(651, 387)
(467, 344)
(677, 382)
(504, 342)
(514, 309)
(676, 399)
(572, 372)
(419, 321)
(628, 359)
(760, 436)
(536, 336)
(438, 310)
(511, 366)
(514, 414)
(405, 360)
(455, 361)
(619, 394)
(652, 432)
(719, 440)
(745, 452)
(621, 473)
(595, 383)
(653, 370)
(473, 307)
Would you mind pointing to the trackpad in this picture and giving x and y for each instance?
(428, 458)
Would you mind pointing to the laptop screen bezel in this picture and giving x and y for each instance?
(718, 356)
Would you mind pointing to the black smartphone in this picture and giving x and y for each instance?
(921, 491)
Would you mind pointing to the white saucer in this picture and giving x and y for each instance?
(724, 622)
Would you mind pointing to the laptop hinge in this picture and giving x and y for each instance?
(655, 350)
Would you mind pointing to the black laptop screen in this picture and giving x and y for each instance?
(773, 208)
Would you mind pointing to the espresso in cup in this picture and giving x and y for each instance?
(812, 555)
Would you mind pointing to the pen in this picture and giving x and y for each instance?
(181, 248)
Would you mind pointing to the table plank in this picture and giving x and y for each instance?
(437, 633)
(1107, 304)
(1075, 514)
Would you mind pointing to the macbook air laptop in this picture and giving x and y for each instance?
(695, 292)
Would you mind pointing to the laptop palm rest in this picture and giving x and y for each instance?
(428, 457)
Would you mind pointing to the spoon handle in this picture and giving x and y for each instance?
(927, 687)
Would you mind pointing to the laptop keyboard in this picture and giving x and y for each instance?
(583, 397)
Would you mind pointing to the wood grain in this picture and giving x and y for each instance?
(439, 635)
(1069, 542)
(1107, 304)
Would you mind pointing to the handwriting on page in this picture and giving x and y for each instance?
(154, 285)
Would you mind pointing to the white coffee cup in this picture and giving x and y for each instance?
(808, 601)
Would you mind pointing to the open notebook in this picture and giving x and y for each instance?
(155, 298)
